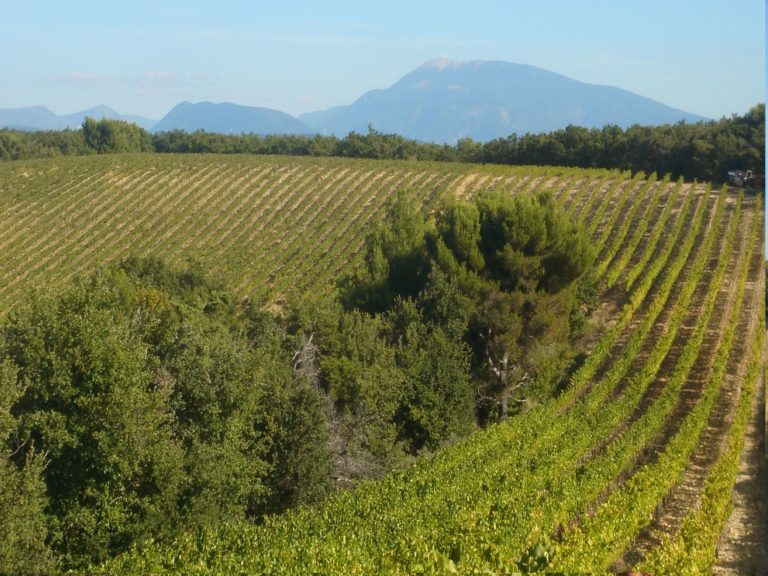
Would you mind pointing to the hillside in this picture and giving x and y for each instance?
(227, 118)
(265, 224)
(443, 101)
(40, 118)
(30, 118)
(632, 466)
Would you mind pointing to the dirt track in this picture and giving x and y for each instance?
(743, 546)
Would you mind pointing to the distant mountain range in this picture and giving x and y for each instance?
(445, 100)
(40, 118)
(441, 101)
(229, 118)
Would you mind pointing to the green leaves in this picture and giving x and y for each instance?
(439, 399)
(459, 230)
(154, 410)
(89, 406)
(518, 497)
(112, 136)
(495, 273)
(23, 528)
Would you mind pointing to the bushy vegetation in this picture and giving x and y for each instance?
(573, 485)
(143, 401)
(499, 274)
(18, 145)
(23, 528)
(113, 136)
(146, 408)
(704, 151)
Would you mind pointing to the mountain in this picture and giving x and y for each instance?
(30, 118)
(40, 118)
(321, 117)
(441, 101)
(99, 112)
(226, 118)
(444, 100)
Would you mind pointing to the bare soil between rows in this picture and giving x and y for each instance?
(743, 546)
(687, 492)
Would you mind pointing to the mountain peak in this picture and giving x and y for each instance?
(445, 100)
(40, 118)
(444, 63)
(440, 63)
(100, 111)
(228, 118)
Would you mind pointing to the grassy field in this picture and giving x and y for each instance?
(632, 466)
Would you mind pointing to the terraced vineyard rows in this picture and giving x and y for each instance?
(266, 225)
(632, 466)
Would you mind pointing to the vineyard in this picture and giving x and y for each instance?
(632, 467)
(265, 225)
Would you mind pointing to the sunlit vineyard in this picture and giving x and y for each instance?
(266, 225)
(632, 466)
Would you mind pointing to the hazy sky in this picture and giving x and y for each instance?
(142, 57)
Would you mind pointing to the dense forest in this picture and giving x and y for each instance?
(143, 401)
(705, 151)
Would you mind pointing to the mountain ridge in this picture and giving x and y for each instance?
(440, 101)
(229, 118)
(445, 100)
(41, 118)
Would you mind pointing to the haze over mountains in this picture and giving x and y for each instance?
(226, 118)
(441, 101)
(445, 100)
(40, 118)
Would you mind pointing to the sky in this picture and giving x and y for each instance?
(143, 57)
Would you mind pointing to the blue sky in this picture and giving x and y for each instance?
(142, 57)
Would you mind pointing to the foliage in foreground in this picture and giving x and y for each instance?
(156, 402)
(143, 401)
(501, 273)
(547, 491)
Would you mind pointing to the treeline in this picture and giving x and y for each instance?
(145, 401)
(703, 151)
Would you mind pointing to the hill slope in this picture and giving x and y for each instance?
(97, 113)
(40, 118)
(443, 101)
(632, 466)
(30, 118)
(226, 118)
